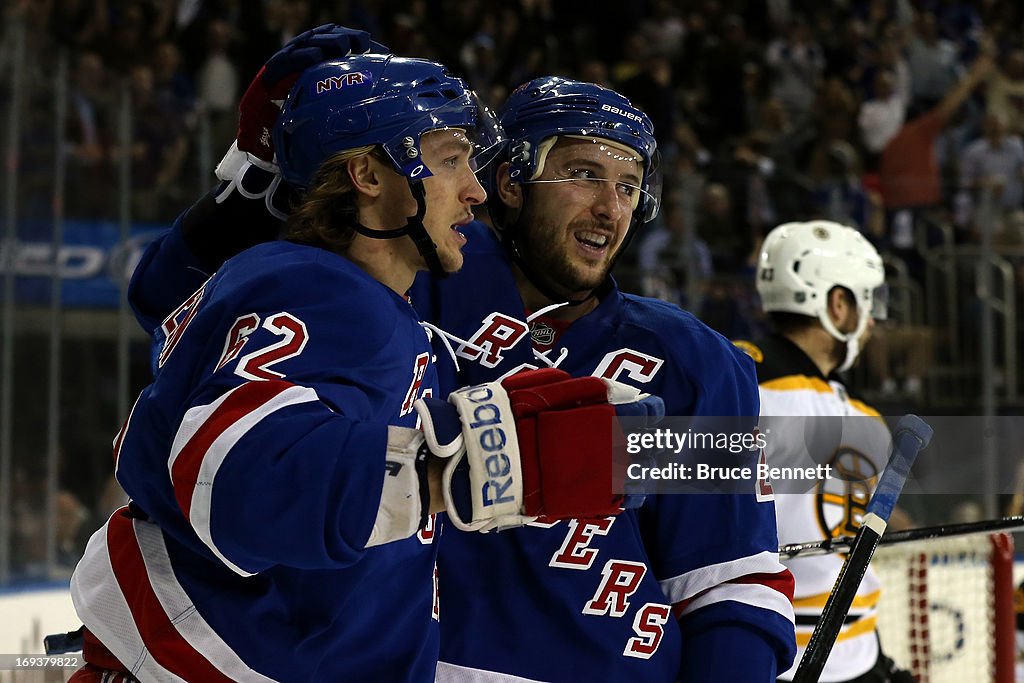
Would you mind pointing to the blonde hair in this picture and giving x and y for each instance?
(327, 210)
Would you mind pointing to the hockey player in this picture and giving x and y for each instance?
(821, 284)
(686, 588)
(279, 526)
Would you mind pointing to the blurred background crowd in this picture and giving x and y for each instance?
(902, 118)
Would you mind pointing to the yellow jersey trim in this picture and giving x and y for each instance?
(818, 601)
(857, 628)
(797, 383)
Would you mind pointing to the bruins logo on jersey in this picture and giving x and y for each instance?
(749, 349)
(842, 500)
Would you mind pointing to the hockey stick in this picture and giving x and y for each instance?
(910, 436)
(843, 543)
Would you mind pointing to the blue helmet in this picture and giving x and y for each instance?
(551, 106)
(381, 100)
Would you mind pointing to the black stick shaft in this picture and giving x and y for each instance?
(841, 543)
(837, 607)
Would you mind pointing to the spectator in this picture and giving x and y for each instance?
(882, 116)
(129, 40)
(842, 198)
(899, 357)
(664, 29)
(79, 24)
(797, 63)
(833, 118)
(726, 62)
(909, 174)
(218, 83)
(72, 532)
(889, 56)
(933, 62)
(992, 170)
(1006, 92)
(87, 131)
(172, 86)
(728, 237)
(157, 152)
(666, 265)
(877, 14)
(846, 57)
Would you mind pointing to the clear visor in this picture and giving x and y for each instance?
(880, 302)
(605, 168)
(467, 117)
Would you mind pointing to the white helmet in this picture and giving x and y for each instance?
(799, 265)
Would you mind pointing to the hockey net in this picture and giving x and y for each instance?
(946, 611)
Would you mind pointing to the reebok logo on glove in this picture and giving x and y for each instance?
(536, 444)
(487, 413)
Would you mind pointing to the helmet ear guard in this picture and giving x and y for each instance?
(800, 264)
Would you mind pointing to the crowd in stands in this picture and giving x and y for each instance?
(903, 118)
(778, 109)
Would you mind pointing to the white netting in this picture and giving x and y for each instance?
(937, 612)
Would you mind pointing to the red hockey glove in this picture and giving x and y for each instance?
(248, 166)
(537, 444)
(262, 101)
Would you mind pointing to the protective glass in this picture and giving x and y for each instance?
(880, 302)
(587, 174)
(466, 114)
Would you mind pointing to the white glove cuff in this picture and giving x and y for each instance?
(402, 504)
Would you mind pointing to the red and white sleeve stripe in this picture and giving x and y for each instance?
(126, 593)
(759, 580)
(205, 438)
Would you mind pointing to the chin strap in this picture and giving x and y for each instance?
(851, 339)
(416, 231)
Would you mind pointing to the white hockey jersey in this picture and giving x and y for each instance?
(797, 402)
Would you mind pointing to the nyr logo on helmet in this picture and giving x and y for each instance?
(342, 81)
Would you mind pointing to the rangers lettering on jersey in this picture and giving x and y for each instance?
(637, 366)
(497, 334)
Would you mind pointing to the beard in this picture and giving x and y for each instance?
(541, 246)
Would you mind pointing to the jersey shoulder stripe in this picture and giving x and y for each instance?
(797, 383)
(776, 357)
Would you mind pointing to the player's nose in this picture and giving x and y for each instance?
(607, 202)
(473, 192)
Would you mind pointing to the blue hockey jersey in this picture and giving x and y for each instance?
(665, 593)
(254, 463)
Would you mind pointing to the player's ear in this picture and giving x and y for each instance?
(365, 173)
(511, 195)
(839, 305)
